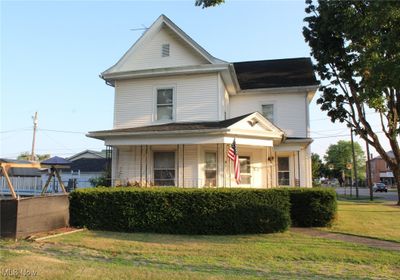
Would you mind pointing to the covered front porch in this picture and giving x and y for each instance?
(195, 154)
(192, 165)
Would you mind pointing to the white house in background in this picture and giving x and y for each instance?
(177, 109)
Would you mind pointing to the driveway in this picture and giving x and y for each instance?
(391, 195)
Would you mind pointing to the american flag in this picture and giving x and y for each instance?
(234, 156)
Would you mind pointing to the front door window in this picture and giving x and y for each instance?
(283, 171)
(210, 169)
(245, 171)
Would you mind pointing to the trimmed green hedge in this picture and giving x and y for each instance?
(181, 211)
(314, 207)
(201, 211)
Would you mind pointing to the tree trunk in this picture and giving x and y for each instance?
(396, 175)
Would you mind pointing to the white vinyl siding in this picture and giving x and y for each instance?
(148, 54)
(222, 108)
(289, 109)
(196, 99)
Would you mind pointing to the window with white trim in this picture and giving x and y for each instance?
(164, 168)
(283, 171)
(165, 104)
(210, 169)
(267, 111)
(245, 171)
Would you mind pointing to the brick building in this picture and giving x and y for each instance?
(380, 170)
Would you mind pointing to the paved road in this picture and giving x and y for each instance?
(391, 195)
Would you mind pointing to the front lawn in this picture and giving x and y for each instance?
(109, 255)
(370, 219)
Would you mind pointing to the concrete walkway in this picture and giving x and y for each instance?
(387, 245)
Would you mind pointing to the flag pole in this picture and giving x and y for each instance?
(230, 177)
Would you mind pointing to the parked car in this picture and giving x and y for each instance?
(379, 187)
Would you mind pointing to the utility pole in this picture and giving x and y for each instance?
(354, 162)
(35, 122)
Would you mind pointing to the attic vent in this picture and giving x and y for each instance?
(165, 50)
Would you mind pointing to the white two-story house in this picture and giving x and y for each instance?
(178, 109)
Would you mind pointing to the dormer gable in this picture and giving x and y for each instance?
(256, 124)
(163, 45)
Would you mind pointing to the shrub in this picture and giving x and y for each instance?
(314, 207)
(181, 211)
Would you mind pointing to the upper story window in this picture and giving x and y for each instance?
(165, 104)
(165, 50)
(268, 111)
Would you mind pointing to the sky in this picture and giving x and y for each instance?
(52, 53)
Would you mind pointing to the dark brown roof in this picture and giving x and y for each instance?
(177, 126)
(89, 164)
(275, 73)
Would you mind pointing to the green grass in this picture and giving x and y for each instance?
(109, 255)
(370, 219)
(289, 255)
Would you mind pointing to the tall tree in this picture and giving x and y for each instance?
(356, 47)
(208, 3)
(317, 166)
(339, 155)
(27, 156)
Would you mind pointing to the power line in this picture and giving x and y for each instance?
(16, 130)
(335, 136)
(61, 131)
(328, 118)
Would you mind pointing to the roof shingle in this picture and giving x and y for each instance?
(275, 73)
(181, 126)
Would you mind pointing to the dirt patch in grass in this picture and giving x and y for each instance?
(370, 242)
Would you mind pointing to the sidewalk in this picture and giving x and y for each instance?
(387, 245)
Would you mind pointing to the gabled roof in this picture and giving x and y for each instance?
(275, 73)
(237, 76)
(162, 21)
(225, 126)
(101, 154)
